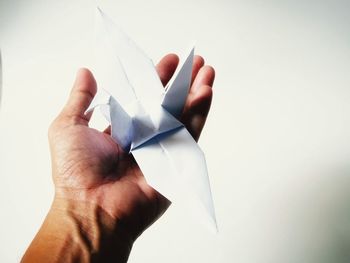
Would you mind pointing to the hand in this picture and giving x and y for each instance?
(101, 195)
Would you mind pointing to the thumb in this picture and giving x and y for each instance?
(83, 91)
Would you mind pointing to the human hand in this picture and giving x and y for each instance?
(98, 186)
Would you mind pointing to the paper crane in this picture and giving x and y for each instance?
(144, 118)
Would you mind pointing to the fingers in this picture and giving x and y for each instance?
(199, 101)
(166, 67)
(83, 91)
(205, 76)
(198, 62)
(197, 111)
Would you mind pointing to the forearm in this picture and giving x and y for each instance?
(79, 232)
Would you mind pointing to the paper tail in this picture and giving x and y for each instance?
(180, 173)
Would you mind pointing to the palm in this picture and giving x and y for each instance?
(89, 165)
(97, 166)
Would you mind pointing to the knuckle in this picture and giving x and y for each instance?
(52, 128)
(55, 126)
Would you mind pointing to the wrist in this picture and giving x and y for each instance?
(90, 233)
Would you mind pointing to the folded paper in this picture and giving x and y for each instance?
(144, 118)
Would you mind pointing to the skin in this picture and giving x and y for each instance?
(102, 202)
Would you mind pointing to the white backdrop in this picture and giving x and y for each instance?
(277, 139)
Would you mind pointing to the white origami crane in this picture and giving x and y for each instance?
(143, 117)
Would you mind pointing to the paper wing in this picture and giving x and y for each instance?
(139, 69)
(175, 166)
(110, 74)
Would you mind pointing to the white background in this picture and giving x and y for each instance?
(277, 139)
